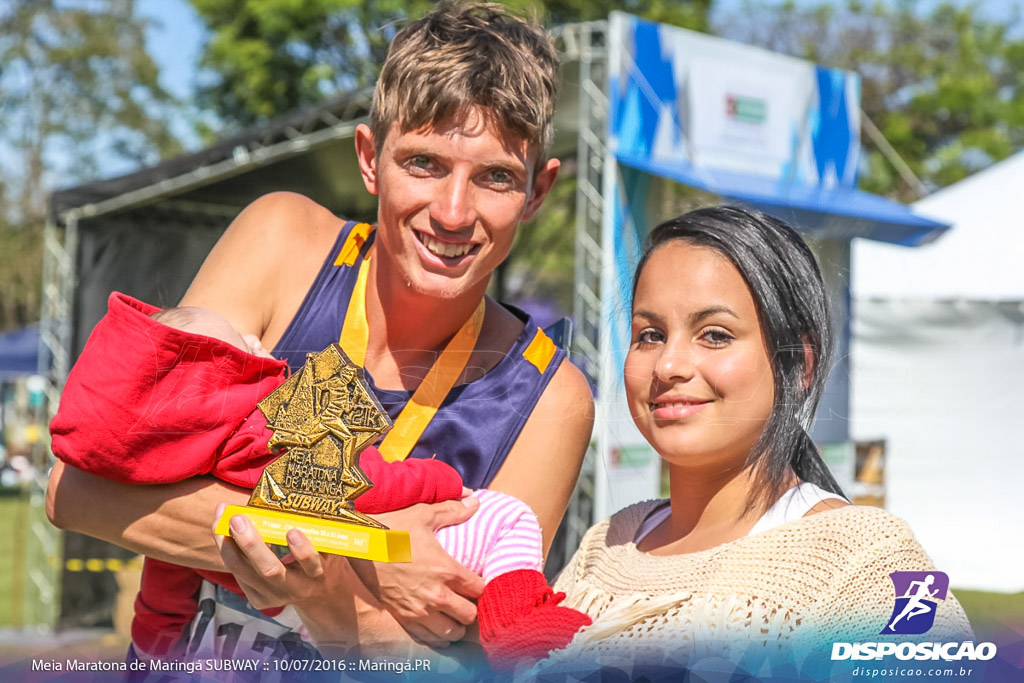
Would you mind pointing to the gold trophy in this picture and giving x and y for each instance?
(324, 415)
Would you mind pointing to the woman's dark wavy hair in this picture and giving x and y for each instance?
(792, 307)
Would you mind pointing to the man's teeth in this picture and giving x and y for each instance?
(447, 250)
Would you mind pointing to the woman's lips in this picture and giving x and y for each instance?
(675, 410)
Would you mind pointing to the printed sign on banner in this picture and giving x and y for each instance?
(740, 116)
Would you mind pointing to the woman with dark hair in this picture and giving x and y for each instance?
(756, 550)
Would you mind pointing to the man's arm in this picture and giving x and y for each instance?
(542, 467)
(261, 268)
(170, 522)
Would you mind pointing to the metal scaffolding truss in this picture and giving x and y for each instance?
(586, 44)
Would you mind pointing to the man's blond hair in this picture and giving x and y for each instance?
(466, 55)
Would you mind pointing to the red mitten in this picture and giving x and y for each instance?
(398, 485)
(520, 620)
(243, 455)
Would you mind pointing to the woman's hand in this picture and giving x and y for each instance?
(432, 596)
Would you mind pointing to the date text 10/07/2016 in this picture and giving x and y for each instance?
(360, 664)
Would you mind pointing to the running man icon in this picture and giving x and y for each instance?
(917, 597)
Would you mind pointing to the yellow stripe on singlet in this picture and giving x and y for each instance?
(540, 351)
(353, 243)
(433, 389)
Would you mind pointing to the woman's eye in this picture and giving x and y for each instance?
(717, 337)
(649, 336)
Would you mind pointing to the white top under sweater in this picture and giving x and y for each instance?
(822, 578)
(793, 504)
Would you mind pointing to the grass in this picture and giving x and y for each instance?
(13, 515)
(993, 614)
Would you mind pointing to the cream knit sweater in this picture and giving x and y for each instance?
(816, 580)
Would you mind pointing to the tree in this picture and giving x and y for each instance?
(20, 276)
(269, 57)
(942, 83)
(76, 86)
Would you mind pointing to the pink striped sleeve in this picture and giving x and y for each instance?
(504, 535)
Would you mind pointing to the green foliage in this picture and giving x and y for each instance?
(269, 57)
(692, 14)
(75, 76)
(21, 276)
(540, 266)
(991, 614)
(942, 82)
(13, 510)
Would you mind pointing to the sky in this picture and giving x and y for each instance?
(174, 41)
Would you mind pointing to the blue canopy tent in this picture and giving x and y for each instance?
(19, 353)
(833, 212)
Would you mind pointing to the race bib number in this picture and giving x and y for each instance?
(227, 627)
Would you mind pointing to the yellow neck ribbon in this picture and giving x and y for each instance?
(431, 392)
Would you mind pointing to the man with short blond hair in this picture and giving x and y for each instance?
(457, 153)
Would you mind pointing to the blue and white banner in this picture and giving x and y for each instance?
(750, 125)
(680, 97)
(684, 97)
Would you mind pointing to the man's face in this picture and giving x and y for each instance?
(450, 200)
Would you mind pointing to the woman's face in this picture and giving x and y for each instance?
(698, 377)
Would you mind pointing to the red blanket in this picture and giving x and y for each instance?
(151, 404)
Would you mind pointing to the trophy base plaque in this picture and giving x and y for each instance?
(326, 535)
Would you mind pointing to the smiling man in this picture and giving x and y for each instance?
(457, 154)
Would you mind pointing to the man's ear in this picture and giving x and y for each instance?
(366, 153)
(541, 185)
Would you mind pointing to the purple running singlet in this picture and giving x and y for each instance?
(478, 422)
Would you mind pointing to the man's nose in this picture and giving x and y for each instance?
(453, 207)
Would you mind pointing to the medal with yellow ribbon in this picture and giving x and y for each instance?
(436, 385)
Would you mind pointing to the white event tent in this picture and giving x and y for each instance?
(938, 372)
